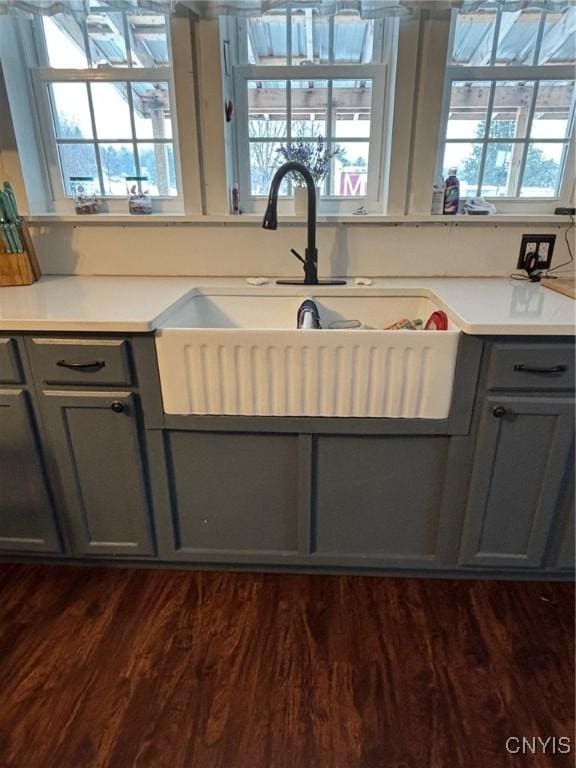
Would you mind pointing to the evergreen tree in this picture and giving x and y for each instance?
(539, 170)
(117, 161)
(76, 159)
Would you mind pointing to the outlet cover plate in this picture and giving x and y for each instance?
(536, 252)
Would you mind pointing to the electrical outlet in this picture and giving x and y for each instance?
(543, 249)
(536, 252)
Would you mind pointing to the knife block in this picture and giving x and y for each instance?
(19, 268)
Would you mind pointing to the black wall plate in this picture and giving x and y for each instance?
(536, 252)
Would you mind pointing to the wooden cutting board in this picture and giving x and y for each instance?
(565, 285)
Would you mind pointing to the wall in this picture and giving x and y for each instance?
(10, 169)
(244, 248)
(240, 247)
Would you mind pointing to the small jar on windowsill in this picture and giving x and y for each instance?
(139, 200)
(84, 191)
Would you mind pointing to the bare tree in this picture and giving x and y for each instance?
(264, 158)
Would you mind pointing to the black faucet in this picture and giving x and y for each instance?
(270, 221)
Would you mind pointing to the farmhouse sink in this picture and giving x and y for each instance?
(242, 354)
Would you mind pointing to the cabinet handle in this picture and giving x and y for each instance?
(499, 411)
(537, 369)
(117, 406)
(95, 364)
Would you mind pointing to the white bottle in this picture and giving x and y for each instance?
(437, 200)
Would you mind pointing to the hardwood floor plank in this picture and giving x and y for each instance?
(112, 668)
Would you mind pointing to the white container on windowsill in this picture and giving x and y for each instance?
(301, 200)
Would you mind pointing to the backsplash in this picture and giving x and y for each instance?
(244, 248)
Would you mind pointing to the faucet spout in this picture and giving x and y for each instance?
(270, 221)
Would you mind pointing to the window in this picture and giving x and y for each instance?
(310, 83)
(104, 93)
(509, 102)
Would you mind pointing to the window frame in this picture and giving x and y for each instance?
(377, 71)
(42, 75)
(495, 73)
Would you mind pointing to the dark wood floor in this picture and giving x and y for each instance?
(146, 669)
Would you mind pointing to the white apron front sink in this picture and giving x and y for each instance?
(243, 355)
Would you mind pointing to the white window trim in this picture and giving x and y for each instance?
(378, 72)
(329, 203)
(27, 55)
(536, 73)
(114, 203)
(200, 126)
(403, 81)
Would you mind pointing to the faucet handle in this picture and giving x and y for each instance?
(297, 255)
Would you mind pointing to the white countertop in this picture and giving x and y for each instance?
(70, 303)
(135, 304)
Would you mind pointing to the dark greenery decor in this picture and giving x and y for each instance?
(315, 155)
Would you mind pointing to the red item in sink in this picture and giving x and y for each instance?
(438, 321)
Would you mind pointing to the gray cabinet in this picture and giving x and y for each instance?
(27, 520)
(566, 553)
(519, 478)
(10, 367)
(380, 498)
(97, 447)
(232, 494)
(90, 466)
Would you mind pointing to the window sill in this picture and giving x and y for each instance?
(251, 219)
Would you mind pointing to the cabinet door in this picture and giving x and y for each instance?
(27, 521)
(518, 480)
(379, 498)
(97, 446)
(233, 495)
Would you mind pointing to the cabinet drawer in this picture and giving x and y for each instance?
(10, 371)
(531, 367)
(103, 362)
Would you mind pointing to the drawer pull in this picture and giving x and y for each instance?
(537, 369)
(499, 411)
(117, 406)
(92, 365)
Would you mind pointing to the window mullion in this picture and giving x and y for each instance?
(511, 72)
(289, 85)
(96, 145)
(528, 138)
(329, 107)
(289, 36)
(289, 110)
(108, 75)
(485, 139)
(133, 128)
